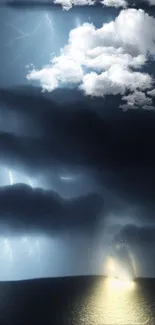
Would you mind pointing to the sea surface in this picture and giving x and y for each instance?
(85, 300)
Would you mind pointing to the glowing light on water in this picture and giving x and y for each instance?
(112, 301)
(111, 266)
(120, 284)
(117, 274)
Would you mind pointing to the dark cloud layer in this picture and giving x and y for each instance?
(26, 4)
(142, 235)
(25, 208)
(47, 133)
(77, 135)
(18, 4)
(117, 147)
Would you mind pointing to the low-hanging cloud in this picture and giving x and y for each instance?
(104, 61)
(37, 209)
(121, 152)
(117, 154)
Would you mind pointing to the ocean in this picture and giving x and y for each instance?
(82, 300)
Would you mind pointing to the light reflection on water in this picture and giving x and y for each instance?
(112, 302)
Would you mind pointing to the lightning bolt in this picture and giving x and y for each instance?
(35, 247)
(40, 21)
(10, 177)
(131, 259)
(48, 22)
(67, 178)
(6, 249)
(22, 34)
(77, 22)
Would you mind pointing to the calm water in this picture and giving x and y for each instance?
(79, 301)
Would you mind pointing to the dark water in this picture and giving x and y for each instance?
(77, 300)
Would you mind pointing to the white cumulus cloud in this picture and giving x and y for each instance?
(68, 4)
(137, 99)
(114, 81)
(115, 3)
(105, 60)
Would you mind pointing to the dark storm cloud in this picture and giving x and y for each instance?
(76, 135)
(26, 4)
(139, 235)
(36, 209)
(28, 151)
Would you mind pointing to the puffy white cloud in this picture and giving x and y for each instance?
(46, 76)
(115, 3)
(68, 4)
(115, 81)
(104, 61)
(148, 108)
(124, 3)
(137, 99)
(126, 32)
(63, 70)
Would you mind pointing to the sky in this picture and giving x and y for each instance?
(77, 136)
